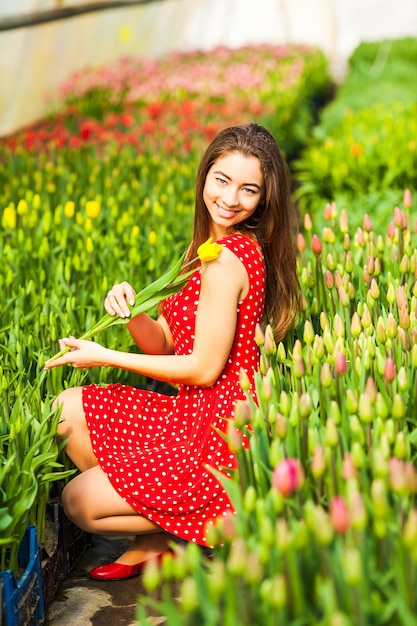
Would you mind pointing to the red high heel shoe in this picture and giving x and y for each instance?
(119, 571)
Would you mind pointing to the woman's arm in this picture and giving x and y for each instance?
(223, 282)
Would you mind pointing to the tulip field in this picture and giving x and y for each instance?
(325, 492)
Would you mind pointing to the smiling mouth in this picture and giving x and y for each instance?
(225, 212)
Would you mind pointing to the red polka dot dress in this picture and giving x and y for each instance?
(155, 448)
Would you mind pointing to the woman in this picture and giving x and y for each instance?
(145, 457)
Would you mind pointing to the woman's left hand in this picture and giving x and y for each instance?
(82, 354)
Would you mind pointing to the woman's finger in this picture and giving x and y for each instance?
(117, 299)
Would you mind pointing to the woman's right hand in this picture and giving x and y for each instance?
(117, 299)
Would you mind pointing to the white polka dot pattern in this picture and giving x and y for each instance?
(154, 448)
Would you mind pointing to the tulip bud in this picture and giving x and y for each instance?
(299, 367)
(380, 331)
(269, 342)
(328, 235)
(329, 280)
(397, 476)
(328, 211)
(281, 425)
(398, 407)
(374, 289)
(318, 462)
(288, 476)
(259, 336)
(284, 403)
(308, 334)
(365, 408)
(411, 476)
(301, 243)
(366, 318)
(404, 318)
(409, 534)
(308, 223)
(326, 378)
(351, 402)
(356, 325)
(401, 297)
(407, 199)
(281, 354)
(358, 455)
(244, 380)
(357, 511)
(400, 446)
(343, 296)
(381, 407)
(340, 364)
(343, 221)
(330, 262)
(402, 379)
(339, 515)
(242, 413)
(348, 467)
(391, 327)
(304, 406)
(316, 245)
(331, 435)
(234, 437)
(390, 371)
(322, 527)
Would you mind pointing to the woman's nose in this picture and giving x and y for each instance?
(230, 196)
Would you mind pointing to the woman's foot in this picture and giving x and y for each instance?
(132, 562)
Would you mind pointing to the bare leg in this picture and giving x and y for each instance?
(73, 427)
(93, 504)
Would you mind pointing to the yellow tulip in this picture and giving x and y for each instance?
(9, 217)
(69, 209)
(92, 208)
(22, 207)
(152, 237)
(209, 251)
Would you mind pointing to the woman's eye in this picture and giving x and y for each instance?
(249, 190)
(220, 180)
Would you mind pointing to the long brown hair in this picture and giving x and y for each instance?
(274, 222)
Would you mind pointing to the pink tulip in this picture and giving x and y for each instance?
(367, 223)
(301, 243)
(288, 476)
(390, 370)
(391, 230)
(407, 200)
(348, 467)
(316, 245)
(340, 364)
(339, 515)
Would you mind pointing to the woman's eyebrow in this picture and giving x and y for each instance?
(220, 173)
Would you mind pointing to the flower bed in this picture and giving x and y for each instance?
(326, 525)
(101, 193)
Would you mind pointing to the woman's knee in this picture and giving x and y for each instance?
(69, 402)
(76, 506)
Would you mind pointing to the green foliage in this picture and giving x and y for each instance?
(364, 146)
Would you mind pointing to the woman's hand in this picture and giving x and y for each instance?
(116, 301)
(82, 354)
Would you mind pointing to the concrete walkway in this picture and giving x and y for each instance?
(81, 601)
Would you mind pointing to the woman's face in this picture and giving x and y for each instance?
(233, 189)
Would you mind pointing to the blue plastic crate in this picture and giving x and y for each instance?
(22, 602)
